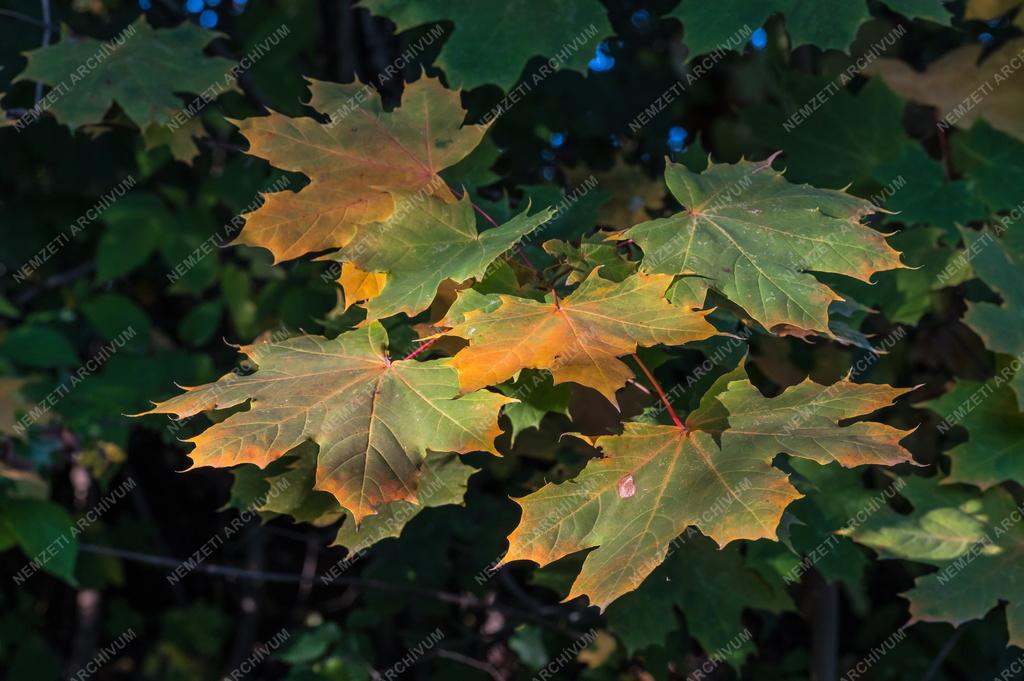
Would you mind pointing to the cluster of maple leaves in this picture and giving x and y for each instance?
(388, 431)
(376, 201)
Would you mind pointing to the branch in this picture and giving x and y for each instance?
(24, 17)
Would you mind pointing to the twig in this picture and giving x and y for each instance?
(471, 662)
(661, 393)
(945, 650)
(280, 577)
(56, 281)
(24, 17)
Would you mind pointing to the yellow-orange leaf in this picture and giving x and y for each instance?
(361, 163)
(578, 339)
(360, 286)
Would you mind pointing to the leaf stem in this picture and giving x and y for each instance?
(422, 347)
(661, 393)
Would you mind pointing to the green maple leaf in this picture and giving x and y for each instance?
(444, 483)
(829, 24)
(993, 163)
(434, 241)
(492, 41)
(756, 238)
(976, 541)
(141, 71)
(293, 491)
(994, 451)
(1000, 326)
(932, 10)
(374, 419)
(842, 140)
(835, 497)
(538, 396)
(712, 587)
(592, 252)
(919, 193)
(904, 295)
(654, 481)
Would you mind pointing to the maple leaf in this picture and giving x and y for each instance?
(140, 71)
(654, 481)
(444, 483)
(710, 26)
(292, 492)
(925, 195)
(998, 325)
(829, 24)
(374, 419)
(755, 238)
(360, 286)
(846, 138)
(976, 541)
(492, 42)
(711, 586)
(591, 252)
(538, 396)
(578, 338)
(993, 163)
(953, 81)
(904, 295)
(419, 250)
(994, 451)
(365, 164)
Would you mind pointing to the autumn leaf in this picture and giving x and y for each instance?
(360, 286)
(756, 238)
(654, 481)
(975, 539)
(140, 71)
(374, 419)
(963, 86)
(365, 164)
(578, 338)
(420, 249)
(443, 483)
